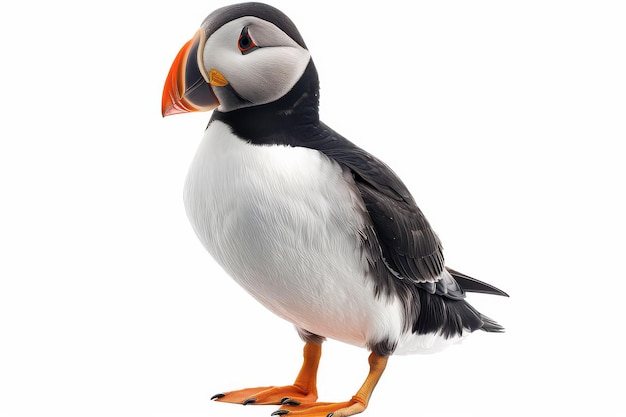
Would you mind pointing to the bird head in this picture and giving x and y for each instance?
(243, 55)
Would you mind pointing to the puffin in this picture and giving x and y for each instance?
(319, 231)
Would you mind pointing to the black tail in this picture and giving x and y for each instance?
(470, 284)
(490, 325)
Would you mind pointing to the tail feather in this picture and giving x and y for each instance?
(490, 325)
(470, 284)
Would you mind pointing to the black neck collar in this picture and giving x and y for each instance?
(278, 122)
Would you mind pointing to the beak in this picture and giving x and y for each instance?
(187, 88)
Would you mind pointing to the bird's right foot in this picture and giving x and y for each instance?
(285, 395)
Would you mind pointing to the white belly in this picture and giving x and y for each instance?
(284, 222)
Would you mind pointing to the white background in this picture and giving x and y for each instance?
(505, 119)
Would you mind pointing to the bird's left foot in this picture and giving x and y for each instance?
(341, 409)
(289, 394)
(302, 391)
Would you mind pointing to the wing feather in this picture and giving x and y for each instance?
(403, 237)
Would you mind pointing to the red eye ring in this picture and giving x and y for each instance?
(245, 43)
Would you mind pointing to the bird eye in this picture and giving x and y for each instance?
(246, 44)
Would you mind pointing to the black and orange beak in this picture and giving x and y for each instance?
(187, 88)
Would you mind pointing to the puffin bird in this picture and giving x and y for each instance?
(316, 229)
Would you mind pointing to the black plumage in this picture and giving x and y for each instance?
(402, 248)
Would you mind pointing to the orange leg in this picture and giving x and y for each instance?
(357, 403)
(303, 390)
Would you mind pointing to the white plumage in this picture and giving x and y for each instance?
(285, 223)
(276, 69)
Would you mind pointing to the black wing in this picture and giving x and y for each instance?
(400, 238)
(403, 238)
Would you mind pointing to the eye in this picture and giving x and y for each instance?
(246, 44)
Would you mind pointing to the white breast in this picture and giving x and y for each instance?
(285, 223)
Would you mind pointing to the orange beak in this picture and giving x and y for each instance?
(187, 89)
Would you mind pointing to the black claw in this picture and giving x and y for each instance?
(217, 396)
(289, 401)
(249, 401)
(280, 412)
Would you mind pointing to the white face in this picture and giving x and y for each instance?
(256, 76)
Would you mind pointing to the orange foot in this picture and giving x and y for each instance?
(343, 409)
(290, 394)
(298, 400)
(303, 390)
